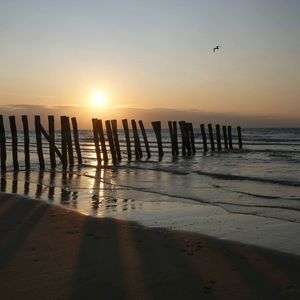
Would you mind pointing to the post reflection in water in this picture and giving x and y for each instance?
(26, 183)
(39, 185)
(3, 183)
(97, 191)
(15, 182)
(51, 190)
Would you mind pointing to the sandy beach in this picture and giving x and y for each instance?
(47, 252)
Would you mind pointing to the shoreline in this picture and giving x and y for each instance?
(48, 252)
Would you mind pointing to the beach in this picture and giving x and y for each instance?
(48, 252)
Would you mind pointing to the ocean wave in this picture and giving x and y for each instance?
(249, 178)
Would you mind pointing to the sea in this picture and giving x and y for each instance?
(250, 195)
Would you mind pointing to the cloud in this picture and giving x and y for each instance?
(84, 115)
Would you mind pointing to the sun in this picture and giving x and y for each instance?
(98, 99)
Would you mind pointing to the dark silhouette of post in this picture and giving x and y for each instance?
(111, 141)
(239, 130)
(175, 137)
(218, 133)
(172, 137)
(39, 145)
(14, 137)
(26, 142)
(76, 140)
(2, 145)
(211, 137)
(51, 141)
(69, 142)
(145, 138)
(137, 144)
(230, 137)
(192, 137)
(225, 137)
(102, 140)
(64, 151)
(116, 138)
(204, 139)
(157, 130)
(96, 140)
(188, 138)
(127, 138)
(183, 136)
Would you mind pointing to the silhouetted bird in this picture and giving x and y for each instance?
(216, 48)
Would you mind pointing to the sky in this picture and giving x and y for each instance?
(149, 55)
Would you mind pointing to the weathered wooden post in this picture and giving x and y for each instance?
(69, 142)
(26, 142)
(76, 140)
(188, 138)
(204, 139)
(183, 136)
(111, 141)
(51, 129)
(2, 145)
(14, 137)
(175, 137)
(127, 137)
(225, 136)
(145, 138)
(157, 130)
(96, 141)
(64, 151)
(137, 143)
(218, 133)
(39, 145)
(102, 140)
(239, 130)
(116, 138)
(211, 137)
(192, 137)
(230, 137)
(172, 137)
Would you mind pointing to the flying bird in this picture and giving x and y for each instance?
(216, 48)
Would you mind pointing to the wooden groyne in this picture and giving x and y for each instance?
(107, 142)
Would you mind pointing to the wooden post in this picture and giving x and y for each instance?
(137, 143)
(145, 138)
(2, 145)
(96, 140)
(69, 142)
(39, 145)
(183, 136)
(26, 142)
(211, 137)
(239, 130)
(225, 136)
(192, 137)
(218, 132)
(157, 130)
(51, 141)
(188, 138)
(102, 140)
(76, 140)
(116, 138)
(64, 152)
(175, 137)
(127, 137)
(230, 137)
(172, 137)
(204, 139)
(14, 137)
(111, 141)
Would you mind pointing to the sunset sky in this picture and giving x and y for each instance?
(152, 54)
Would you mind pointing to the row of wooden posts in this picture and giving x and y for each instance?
(65, 154)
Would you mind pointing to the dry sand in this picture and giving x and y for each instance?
(47, 252)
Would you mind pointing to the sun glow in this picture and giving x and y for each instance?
(98, 99)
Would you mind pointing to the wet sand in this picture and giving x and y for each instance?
(47, 252)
